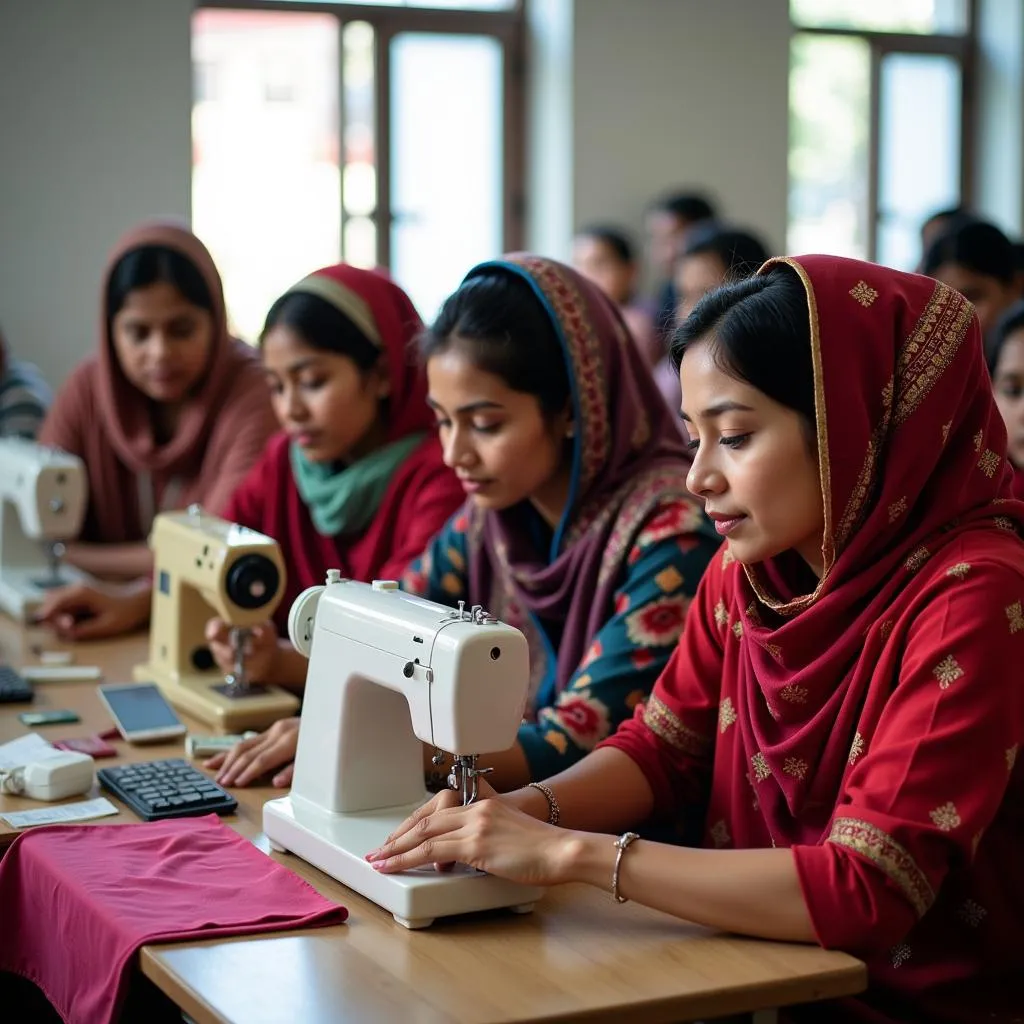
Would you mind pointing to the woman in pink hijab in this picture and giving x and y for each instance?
(170, 410)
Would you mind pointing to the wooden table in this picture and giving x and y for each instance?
(578, 956)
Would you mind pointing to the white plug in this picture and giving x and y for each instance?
(67, 773)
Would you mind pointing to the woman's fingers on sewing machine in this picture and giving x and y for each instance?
(284, 777)
(81, 612)
(249, 759)
(490, 836)
(446, 798)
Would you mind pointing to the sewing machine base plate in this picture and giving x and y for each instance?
(22, 590)
(338, 843)
(199, 696)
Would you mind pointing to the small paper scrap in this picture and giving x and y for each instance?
(98, 808)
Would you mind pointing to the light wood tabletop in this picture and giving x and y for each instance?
(578, 956)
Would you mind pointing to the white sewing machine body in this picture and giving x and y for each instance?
(204, 566)
(389, 672)
(43, 497)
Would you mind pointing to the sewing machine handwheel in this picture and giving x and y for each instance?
(301, 619)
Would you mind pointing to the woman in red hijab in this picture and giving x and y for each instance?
(355, 478)
(171, 410)
(841, 720)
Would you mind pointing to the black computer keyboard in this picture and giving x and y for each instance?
(166, 789)
(14, 688)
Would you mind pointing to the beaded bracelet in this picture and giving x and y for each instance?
(553, 810)
(621, 844)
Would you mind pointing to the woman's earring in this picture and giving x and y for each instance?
(570, 431)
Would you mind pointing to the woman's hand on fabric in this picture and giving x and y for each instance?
(90, 611)
(247, 760)
(260, 649)
(489, 835)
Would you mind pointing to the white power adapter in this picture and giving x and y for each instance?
(66, 773)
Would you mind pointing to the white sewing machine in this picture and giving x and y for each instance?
(203, 567)
(389, 672)
(43, 495)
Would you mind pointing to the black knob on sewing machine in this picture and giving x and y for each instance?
(252, 581)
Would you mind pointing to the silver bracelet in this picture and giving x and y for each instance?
(554, 813)
(621, 844)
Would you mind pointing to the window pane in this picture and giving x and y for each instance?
(359, 184)
(925, 16)
(266, 185)
(829, 89)
(919, 150)
(446, 160)
(448, 5)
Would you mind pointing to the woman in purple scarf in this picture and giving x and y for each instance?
(577, 528)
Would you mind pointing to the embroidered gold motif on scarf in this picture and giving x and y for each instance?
(1011, 757)
(886, 629)
(726, 714)
(1015, 614)
(945, 431)
(760, 765)
(971, 913)
(916, 559)
(947, 671)
(979, 440)
(888, 855)
(794, 693)
(935, 340)
(737, 629)
(896, 509)
(796, 766)
(960, 570)
(901, 954)
(945, 817)
(721, 614)
(774, 650)
(856, 748)
(1004, 524)
(989, 463)
(863, 293)
(727, 557)
(669, 579)
(719, 833)
(666, 724)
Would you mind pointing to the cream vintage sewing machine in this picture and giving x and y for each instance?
(43, 496)
(203, 567)
(389, 672)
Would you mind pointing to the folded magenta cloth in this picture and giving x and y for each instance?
(77, 903)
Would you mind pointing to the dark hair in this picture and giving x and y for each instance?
(156, 264)
(949, 213)
(616, 240)
(1011, 322)
(322, 326)
(1018, 256)
(741, 252)
(761, 332)
(977, 245)
(506, 331)
(687, 206)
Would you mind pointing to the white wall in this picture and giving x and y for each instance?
(95, 99)
(676, 93)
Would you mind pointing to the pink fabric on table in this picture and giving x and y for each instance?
(77, 903)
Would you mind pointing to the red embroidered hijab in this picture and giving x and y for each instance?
(873, 724)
